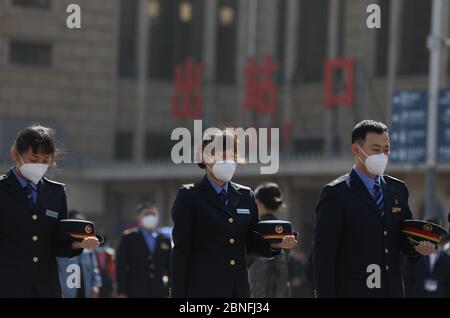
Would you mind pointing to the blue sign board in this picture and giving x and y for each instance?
(408, 131)
(443, 146)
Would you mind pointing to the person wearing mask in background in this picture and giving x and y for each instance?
(30, 211)
(269, 278)
(358, 245)
(143, 258)
(430, 276)
(90, 279)
(214, 222)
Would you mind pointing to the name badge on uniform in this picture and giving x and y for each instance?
(243, 211)
(396, 210)
(164, 246)
(52, 214)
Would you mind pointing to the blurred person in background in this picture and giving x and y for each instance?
(430, 276)
(106, 259)
(269, 278)
(90, 277)
(301, 287)
(214, 221)
(30, 211)
(143, 257)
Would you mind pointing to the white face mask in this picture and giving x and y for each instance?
(375, 164)
(150, 222)
(33, 171)
(224, 170)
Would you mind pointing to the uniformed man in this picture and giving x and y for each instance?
(214, 223)
(30, 211)
(358, 245)
(143, 258)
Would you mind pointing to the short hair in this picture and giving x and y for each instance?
(145, 205)
(269, 194)
(364, 127)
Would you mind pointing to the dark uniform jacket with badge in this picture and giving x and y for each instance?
(211, 241)
(28, 266)
(139, 272)
(423, 282)
(350, 235)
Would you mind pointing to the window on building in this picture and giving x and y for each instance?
(176, 33)
(39, 4)
(308, 145)
(381, 62)
(127, 38)
(415, 30)
(312, 46)
(226, 41)
(157, 147)
(30, 53)
(123, 145)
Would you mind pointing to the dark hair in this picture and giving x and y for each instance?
(364, 127)
(39, 139)
(269, 194)
(225, 137)
(145, 205)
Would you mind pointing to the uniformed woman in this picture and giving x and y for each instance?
(214, 221)
(31, 208)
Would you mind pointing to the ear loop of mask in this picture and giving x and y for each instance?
(359, 158)
(20, 157)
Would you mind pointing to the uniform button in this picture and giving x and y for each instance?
(385, 233)
(35, 238)
(151, 276)
(231, 240)
(35, 259)
(387, 267)
(386, 251)
(34, 217)
(232, 262)
(150, 257)
(152, 266)
(230, 220)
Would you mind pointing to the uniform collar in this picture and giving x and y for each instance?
(217, 187)
(368, 181)
(148, 233)
(22, 181)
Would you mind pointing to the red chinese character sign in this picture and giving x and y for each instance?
(260, 92)
(335, 95)
(187, 99)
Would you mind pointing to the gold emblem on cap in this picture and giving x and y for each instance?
(279, 229)
(88, 229)
(428, 227)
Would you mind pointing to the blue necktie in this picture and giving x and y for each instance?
(378, 196)
(224, 196)
(29, 190)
